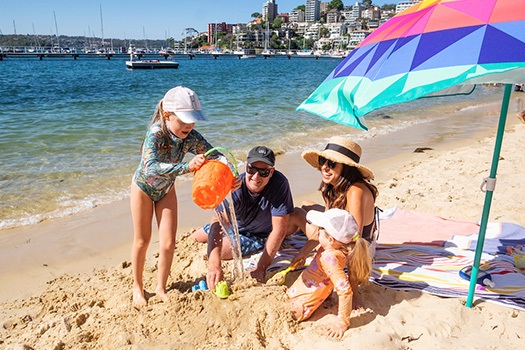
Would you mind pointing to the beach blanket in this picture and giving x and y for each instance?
(426, 252)
(435, 270)
(289, 248)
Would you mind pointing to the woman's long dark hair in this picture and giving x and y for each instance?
(335, 195)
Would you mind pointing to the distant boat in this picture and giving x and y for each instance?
(305, 53)
(149, 64)
(268, 52)
(338, 54)
(245, 53)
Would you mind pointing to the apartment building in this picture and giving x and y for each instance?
(313, 10)
(405, 4)
(269, 10)
(296, 16)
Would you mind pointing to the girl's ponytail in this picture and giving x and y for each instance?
(360, 262)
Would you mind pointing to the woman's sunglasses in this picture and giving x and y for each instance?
(322, 160)
(263, 172)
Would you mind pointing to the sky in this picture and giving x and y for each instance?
(130, 19)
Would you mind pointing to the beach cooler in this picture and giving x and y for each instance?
(213, 181)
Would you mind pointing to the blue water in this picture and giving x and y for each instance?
(71, 130)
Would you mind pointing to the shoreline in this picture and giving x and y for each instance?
(61, 194)
(102, 237)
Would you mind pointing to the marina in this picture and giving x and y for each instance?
(156, 56)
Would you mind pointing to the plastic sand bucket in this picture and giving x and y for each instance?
(213, 181)
(222, 290)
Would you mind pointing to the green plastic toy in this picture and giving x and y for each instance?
(222, 290)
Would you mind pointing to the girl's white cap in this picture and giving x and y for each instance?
(184, 103)
(339, 223)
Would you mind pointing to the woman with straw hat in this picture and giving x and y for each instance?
(345, 184)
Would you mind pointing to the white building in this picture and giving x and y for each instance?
(336, 30)
(357, 36)
(371, 13)
(333, 16)
(405, 4)
(357, 9)
(296, 16)
(313, 31)
(313, 10)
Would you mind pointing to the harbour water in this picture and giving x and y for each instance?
(71, 130)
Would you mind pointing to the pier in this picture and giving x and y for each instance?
(108, 56)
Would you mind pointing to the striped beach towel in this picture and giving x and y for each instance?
(435, 270)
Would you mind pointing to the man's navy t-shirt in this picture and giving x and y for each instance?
(254, 213)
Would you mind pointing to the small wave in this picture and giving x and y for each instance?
(68, 207)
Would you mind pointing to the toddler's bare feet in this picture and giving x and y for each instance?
(139, 301)
(521, 117)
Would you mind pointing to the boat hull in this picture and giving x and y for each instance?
(152, 65)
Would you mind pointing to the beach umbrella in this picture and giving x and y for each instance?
(433, 48)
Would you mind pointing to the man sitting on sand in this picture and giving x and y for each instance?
(263, 208)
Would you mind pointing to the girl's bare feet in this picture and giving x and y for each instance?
(139, 301)
(161, 293)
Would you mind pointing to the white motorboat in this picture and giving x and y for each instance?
(150, 64)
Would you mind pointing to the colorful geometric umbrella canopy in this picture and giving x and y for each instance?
(431, 46)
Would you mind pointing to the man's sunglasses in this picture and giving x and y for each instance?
(322, 160)
(263, 172)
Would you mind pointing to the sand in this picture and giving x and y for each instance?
(65, 284)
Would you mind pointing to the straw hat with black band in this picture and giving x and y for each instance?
(341, 150)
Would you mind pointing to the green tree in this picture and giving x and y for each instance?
(366, 3)
(388, 7)
(301, 7)
(277, 22)
(337, 4)
(324, 32)
(256, 15)
(326, 47)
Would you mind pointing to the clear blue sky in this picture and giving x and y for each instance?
(131, 19)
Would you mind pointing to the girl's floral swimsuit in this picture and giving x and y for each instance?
(161, 163)
(316, 283)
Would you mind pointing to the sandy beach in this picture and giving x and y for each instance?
(65, 284)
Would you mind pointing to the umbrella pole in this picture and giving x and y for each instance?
(488, 193)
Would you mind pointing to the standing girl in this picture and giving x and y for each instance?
(340, 241)
(169, 137)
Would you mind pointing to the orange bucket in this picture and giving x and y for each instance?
(211, 183)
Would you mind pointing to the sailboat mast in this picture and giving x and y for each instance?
(56, 27)
(37, 43)
(101, 25)
(144, 33)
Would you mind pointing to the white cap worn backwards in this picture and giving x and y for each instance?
(339, 223)
(184, 103)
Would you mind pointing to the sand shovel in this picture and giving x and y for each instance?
(280, 277)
